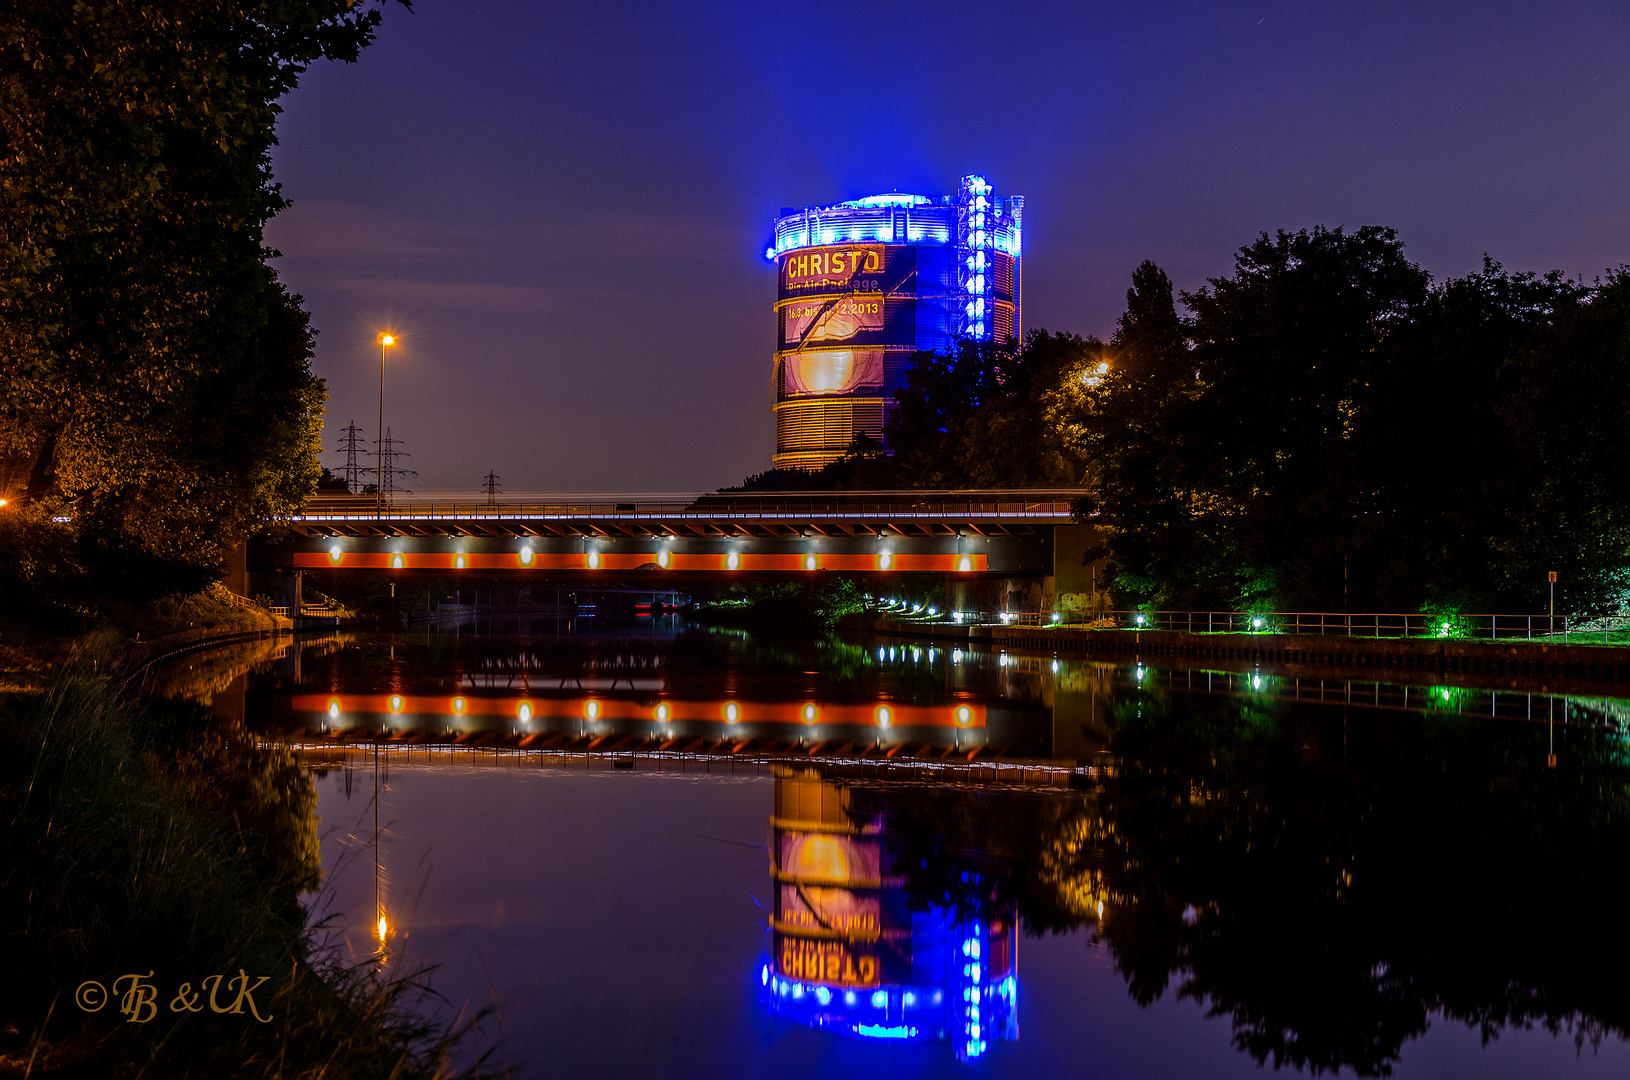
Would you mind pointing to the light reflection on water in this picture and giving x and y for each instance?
(1340, 886)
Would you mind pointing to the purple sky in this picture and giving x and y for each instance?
(563, 208)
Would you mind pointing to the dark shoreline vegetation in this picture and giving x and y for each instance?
(153, 837)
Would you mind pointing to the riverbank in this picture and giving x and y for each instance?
(149, 838)
(126, 638)
(1518, 665)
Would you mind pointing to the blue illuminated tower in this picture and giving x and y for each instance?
(864, 284)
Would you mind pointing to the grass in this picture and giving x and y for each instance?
(32, 650)
(145, 837)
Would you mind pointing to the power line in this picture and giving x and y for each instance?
(350, 446)
(492, 487)
(388, 453)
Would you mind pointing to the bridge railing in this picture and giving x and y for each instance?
(1051, 505)
(1563, 629)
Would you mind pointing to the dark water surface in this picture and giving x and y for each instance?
(1202, 873)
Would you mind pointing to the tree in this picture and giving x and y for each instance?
(156, 387)
(1564, 497)
(1229, 491)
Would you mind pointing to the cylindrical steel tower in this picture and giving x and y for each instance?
(863, 285)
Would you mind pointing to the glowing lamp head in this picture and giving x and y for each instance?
(964, 564)
(458, 561)
(663, 712)
(396, 562)
(526, 556)
(387, 339)
(524, 712)
(662, 559)
(809, 714)
(732, 712)
(884, 716)
(732, 561)
(334, 553)
(964, 715)
(594, 560)
(334, 709)
(396, 703)
(885, 560)
(382, 928)
(809, 562)
(592, 710)
(459, 705)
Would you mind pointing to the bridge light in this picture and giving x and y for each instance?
(964, 715)
(732, 712)
(591, 709)
(809, 562)
(809, 714)
(884, 560)
(884, 716)
(524, 712)
(334, 709)
(662, 558)
(732, 561)
(594, 560)
(334, 553)
(459, 705)
(526, 556)
(396, 562)
(396, 703)
(964, 564)
(663, 713)
(458, 561)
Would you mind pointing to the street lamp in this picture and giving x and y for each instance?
(385, 342)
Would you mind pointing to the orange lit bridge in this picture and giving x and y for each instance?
(980, 533)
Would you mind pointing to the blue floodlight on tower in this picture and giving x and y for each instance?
(864, 284)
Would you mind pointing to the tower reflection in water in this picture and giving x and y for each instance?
(849, 954)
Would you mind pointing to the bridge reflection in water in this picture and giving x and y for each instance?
(1323, 876)
(849, 953)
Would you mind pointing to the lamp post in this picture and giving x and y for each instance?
(385, 342)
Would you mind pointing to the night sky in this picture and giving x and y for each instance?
(562, 208)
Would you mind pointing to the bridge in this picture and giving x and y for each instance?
(1001, 533)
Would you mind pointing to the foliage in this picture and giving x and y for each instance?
(156, 384)
(116, 863)
(790, 606)
(1325, 427)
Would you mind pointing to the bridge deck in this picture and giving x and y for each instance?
(782, 514)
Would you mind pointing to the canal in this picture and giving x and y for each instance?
(664, 850)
